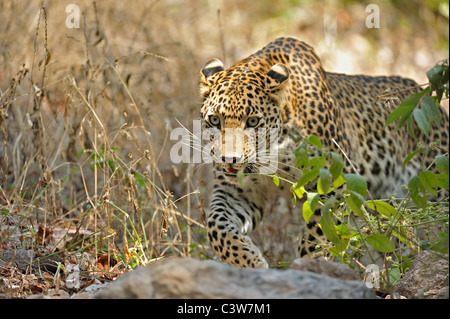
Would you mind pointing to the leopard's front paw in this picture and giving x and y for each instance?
(237, 250)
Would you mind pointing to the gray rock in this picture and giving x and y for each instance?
(427, 278)
(190, 278)
(324, 267)
(15, 257)
(21, 259)
(90, 291)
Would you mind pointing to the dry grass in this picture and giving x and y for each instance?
(85, 114)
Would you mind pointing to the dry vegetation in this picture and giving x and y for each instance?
(86, 113)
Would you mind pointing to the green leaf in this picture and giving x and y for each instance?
(442, 180)
(381, 243)
(240, 178)
(356, 183)
(431, 110)
(441, 245)
(343, 231)
(422, 121)
(394, 275)
(307, 211)
(313, 200)
(317, 162)
(310, 205)
(442, 164)
(276, 180)
(340, 248)
(307, 176)
(325, 179)
(355, 201)
(337, 165)
(314, 140)
(357, 189)
(439, 79)
(410, 156)
(436, 74)
(381, 207)
(301, 157)
(429, 182)
(297, 190)
(405, 108)
(417, 192)
(327, 224)
(339, 181)
(410, 126)
(403, 119)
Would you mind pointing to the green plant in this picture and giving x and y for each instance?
(357, 225)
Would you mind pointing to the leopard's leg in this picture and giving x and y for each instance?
(232, 216)
(312, 241)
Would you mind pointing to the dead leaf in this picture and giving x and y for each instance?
(3, 199)
(45, 59)
(44, 234)
(126, 252)
(36, 287)
(103, 263)
(48, 277)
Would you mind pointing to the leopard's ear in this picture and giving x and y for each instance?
(277, 77)
(210, 68)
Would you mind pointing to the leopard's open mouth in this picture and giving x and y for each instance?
(232, 170)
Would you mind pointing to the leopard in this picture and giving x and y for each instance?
(281, 87)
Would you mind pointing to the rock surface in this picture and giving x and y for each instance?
(21, 258)
(190, 278)
(427, 278)
(327, 268)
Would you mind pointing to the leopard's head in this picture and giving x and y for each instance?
(242, 112)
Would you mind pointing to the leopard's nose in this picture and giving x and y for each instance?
(231, 159)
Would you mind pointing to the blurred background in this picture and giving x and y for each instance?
(86, 113)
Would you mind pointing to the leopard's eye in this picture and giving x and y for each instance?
(214, 120)
(252, 121)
